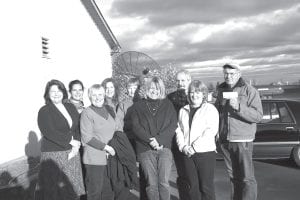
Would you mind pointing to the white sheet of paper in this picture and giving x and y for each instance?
(230, 95)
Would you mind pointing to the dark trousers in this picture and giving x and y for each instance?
(98, 185)
(200, 170)
(143, 184)
(238, 160)
(182, 180)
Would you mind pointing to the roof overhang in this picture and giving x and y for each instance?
(97, 17)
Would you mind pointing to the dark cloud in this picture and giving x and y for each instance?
(257, 35)
(176, 12)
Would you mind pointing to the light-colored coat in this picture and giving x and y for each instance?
(204, 128)
(94, 125)
(239, 124)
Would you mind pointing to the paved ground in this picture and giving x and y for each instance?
(277, 180)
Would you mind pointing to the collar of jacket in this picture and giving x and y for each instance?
(188, 109)
(51, 104)
(240, 83)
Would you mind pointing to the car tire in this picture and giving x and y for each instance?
(296, 155)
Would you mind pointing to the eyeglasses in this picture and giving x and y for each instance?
(230, 74)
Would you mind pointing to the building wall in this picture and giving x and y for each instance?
(77, 50)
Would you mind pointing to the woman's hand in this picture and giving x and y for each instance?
(109, 150)
(153, 143)
(75, 143)
(74, 152)
(188, 150)
(75, 148)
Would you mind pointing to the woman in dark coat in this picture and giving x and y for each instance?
(153, 124)
(60, 175)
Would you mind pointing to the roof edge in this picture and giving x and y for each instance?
(96, 15)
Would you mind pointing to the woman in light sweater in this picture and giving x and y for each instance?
(195, 135)
(97, 125)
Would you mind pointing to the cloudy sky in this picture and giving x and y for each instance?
(263, 36)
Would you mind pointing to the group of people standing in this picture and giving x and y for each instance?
(155, 128)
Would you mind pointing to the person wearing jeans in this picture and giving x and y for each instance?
(240, 108)
(238, 161)
(195, 136)
(156, 165)
(153, 125)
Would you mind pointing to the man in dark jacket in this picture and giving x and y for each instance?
(240, 108)
(179, 100)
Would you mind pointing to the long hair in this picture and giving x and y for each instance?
(115, 98)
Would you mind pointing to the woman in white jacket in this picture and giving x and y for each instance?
(197, 127)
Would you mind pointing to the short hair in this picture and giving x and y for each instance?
(60, 86)
(186, 73)
(160, 85)
(94, 87)
(115, 98)
(74, 82)
(133, 81)
(199, 86)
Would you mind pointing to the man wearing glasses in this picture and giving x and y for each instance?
(240, 108)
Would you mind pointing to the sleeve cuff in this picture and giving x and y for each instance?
(97, 144)
(194, 149)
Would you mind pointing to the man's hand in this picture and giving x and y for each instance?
(234, 103)
(109, 150)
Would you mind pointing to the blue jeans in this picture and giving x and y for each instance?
(156, 166)
(238, 161)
